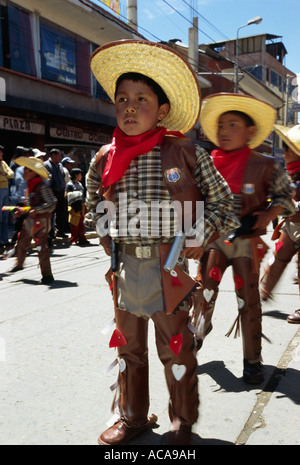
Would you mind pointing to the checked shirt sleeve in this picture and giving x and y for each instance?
(219, 204)
(282, 191)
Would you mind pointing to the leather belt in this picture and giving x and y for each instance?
(140, 251)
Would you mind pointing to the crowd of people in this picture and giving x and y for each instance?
(29, 213)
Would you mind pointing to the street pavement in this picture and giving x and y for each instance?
(53, 357)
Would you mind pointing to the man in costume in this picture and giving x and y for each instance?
(150, 163)
(237, 124)
(288, 231)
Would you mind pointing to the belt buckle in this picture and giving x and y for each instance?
(143, 251)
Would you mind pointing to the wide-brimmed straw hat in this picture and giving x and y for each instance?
(162, 64)
(33, 164)
(213, 106)
(291, 136)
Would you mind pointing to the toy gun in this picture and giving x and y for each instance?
(247, 224)
(174, 253)
(12, 209)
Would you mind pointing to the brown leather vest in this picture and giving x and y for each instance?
(178, 156)
(256, 185)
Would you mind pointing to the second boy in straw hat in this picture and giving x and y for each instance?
(37, 223)
(151, 163)
(237, 124)
(289, 238)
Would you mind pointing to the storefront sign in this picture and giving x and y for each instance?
(79, 134)
(9, 123)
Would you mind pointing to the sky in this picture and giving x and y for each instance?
(219, 20)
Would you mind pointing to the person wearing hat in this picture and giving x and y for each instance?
(5, 175)
(236, 124)
(37, 223)
(151, 162)
(37, 153)
(76, 207)
(288, 231)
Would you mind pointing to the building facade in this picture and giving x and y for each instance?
(49, 97)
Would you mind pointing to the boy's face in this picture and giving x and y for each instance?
(28, 174)
(290, 156)
(233, 133)
(137, 108)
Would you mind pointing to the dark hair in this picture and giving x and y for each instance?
(248, 120)
(285, 146)
(137, 77)
(75, 172)
(1, 148)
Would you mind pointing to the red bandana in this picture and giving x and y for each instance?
(34, 182)
(125, 148)
(293, 167)
(232, 166)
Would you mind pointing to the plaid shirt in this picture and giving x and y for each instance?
(142, 188)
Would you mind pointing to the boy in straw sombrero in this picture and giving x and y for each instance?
(289, 237)
(237, 124)
(150, 163)
(37, 223)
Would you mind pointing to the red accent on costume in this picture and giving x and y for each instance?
(238, 282)
(278, 246)
(117, 339)
(215, 273)
(176, 344)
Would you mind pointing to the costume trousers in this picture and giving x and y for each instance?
(180, 370)
(286, 249)
(213, 266)
(37, 230)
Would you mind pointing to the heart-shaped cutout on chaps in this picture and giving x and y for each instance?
(208, 294)
(178, 371)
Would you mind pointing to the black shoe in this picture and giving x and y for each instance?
(253, 372)
(62, 235)
(46, 280)
(16, 268)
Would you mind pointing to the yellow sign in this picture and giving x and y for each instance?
(113, 5)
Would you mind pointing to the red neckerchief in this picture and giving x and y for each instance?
(125, 148)
(232, 166)
(293, 167)
(33, 183)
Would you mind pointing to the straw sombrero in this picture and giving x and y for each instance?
(291, 136)
(213, 106)
(33, 164)
(162, 64)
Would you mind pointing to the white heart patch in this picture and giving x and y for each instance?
(178, 371)
(241, 303)
(122, 364)
(208, 294)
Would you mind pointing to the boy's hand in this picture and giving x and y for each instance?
(193, 253)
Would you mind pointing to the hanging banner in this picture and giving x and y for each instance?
(113, 5)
